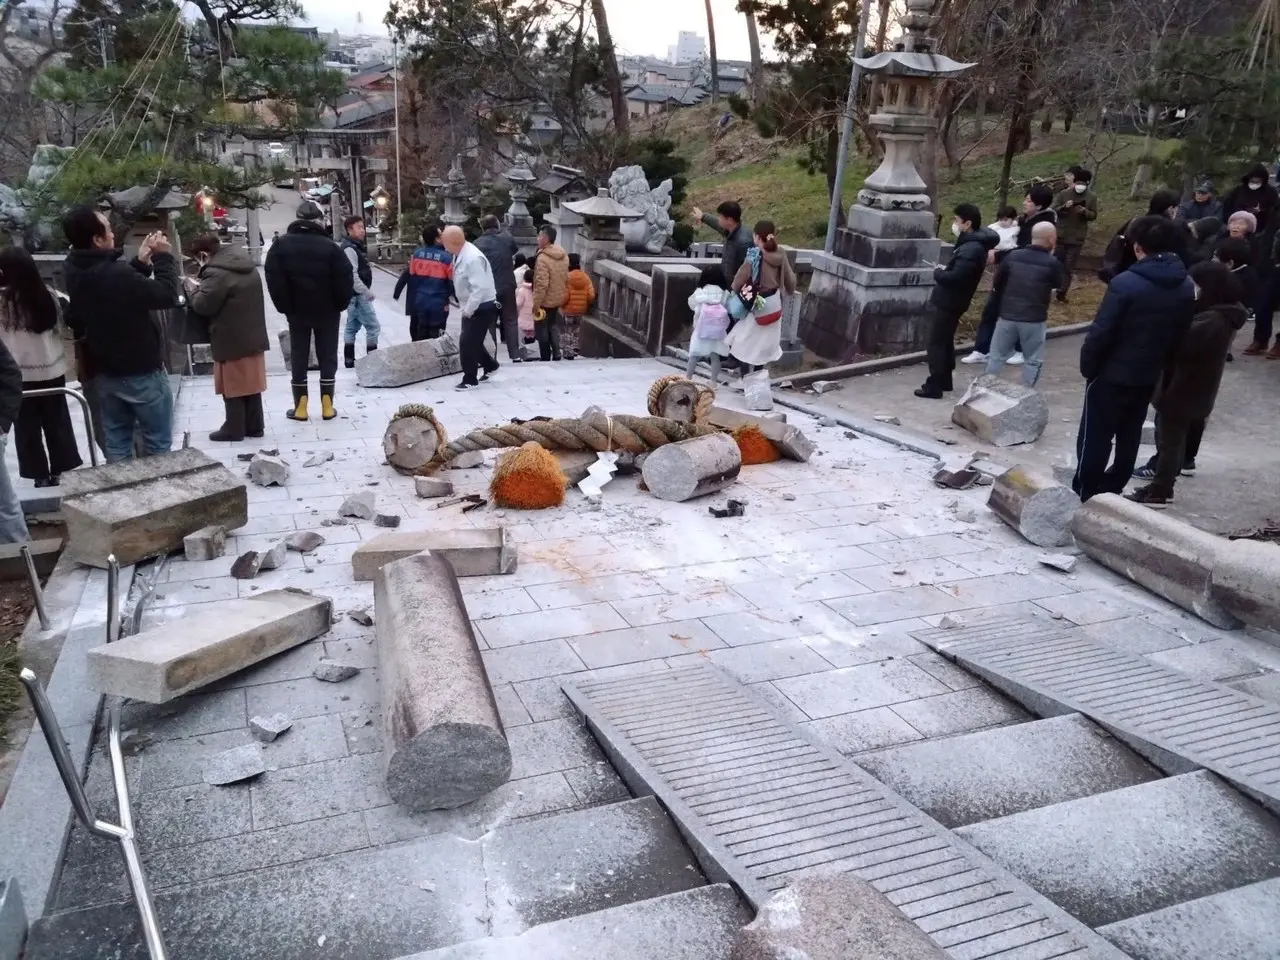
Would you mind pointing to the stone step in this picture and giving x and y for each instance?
(385, 902)
(1129, 852)
(1240, 924)
(1008, 770)
(693, 925)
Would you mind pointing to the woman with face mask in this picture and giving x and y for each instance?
(1255, 195)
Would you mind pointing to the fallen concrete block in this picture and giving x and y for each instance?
(266, 729)
(144, 508)
(161, 663)
(471, 553)
(387, 520)
(832, 916)
(208, 543)
(235, 765)
(286, 350)
(430, 488)
(1035, 505)
(1001, 412)
(692, 468)
(1167, 556)
(362, 506)
(789, 440)
(268, 471)
(44, 553)
(444, 744)
(13, 920)
(1246, 582)
(404, 363)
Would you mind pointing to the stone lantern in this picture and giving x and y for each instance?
(870, 297)
(518, 219)
(602, 218)
(454, 195)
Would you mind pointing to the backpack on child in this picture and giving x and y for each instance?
(713, 321)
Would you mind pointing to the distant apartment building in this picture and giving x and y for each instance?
(688, 48)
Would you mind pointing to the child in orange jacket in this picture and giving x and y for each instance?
(579, 297)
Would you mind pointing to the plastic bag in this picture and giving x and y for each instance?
(759, 395)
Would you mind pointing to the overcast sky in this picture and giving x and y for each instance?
(639, 26)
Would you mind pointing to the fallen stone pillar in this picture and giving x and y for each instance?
(789, 440)
(444, 743)
(471, 553)
(1001, 412)
(832, 917)
(404, 363)
(1167, 556)
(1035, 505)
(172, 659)
(144, 508)
(692, 468)
(1246, 582)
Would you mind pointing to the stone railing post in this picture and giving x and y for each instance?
(669, 311)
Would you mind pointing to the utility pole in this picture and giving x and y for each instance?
(395, 48)
(846, 132)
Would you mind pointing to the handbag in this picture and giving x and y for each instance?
(189, 327)
(768, 310)
(743, 303)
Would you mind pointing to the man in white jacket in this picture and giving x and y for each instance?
(478, 301)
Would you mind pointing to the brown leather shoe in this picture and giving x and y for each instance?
(1255, 349)
(1274, 352)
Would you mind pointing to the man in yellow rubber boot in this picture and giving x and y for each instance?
(311, 283)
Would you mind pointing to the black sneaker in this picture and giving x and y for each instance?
(1189, 468)
(1145, 472)
(466, 386)
(517, 359)
(929, 392)
(1150, 498)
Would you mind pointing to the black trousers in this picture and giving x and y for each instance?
(510, 317)
(1112, 415)
(41, 422)
(474, 353)
(1195, 433)
(942, 347)
(325, 330)
(548, 334)
(428, 324)
(1172, 434)
(1068, 255)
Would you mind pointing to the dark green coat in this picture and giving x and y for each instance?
(1073, 221)
(230, 297)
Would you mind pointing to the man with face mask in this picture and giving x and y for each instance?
(953, 289)
(1076, 206)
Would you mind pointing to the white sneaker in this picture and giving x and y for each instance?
(975, 357)
(1016, 360)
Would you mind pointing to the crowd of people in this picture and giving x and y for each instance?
(1182, 280)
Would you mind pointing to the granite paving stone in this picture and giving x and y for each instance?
(1238, 924)
(1133, 635)
(769, 661)
(888, 605)
(782, 591)
(1265, 687)
(526, 628)
(891, 576)
(500, 603)
(191, 814)
(573, 593)
(818, 561)
(317, 790)
(854, 733)
(853, 646)
(695, 600)
(309, 697)
(1006, 588)
(550, 746)
(531, 661)
(852, 689)
(758, 626)
(543, 699)
(511, 710)
(944, 670)
(644, 643)
(1092, 607)
(1207, 661)
(597, 784)
(959, 712)
(780, 702)
(893, 550)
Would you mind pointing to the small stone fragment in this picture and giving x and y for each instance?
(207, 543)
(304, 541)
(885, 418)
(1058, 561)
(247, 565)
(272, 452)
(245, 457)
(467, 460)
(318, 459)
(331, 671)
(431, 487)
(268, 471)
(966, 514)
(951, 622)
(273, 558)
(235, 765)
(361, 616)
(362, 506)
(387, 520)
(826, 386)
(788, 496)
(334, 522)
(267, 729)
(828, 422)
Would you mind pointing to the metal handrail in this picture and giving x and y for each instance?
(124, 832)
(84, 406)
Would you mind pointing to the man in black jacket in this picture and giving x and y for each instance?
(111, 311)
(953, 288)
(1024, 282)
(1143, 316)
(500, 249)
(727, 221)
(1037, 207)
(360, 311)
(311, 283)
(13, 524)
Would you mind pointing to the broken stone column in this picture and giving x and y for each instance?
(146, 507)
(167, 661)
(404, 363)
(410, 443)
(444, 743)
(1169, 557)
(789, 440)
(1035, 505)
(692, 468)
(471, 552)
(1246, 582)
(832, 916)
(1001, 412)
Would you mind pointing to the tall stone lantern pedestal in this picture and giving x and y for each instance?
(870, 295)
(602, 218)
